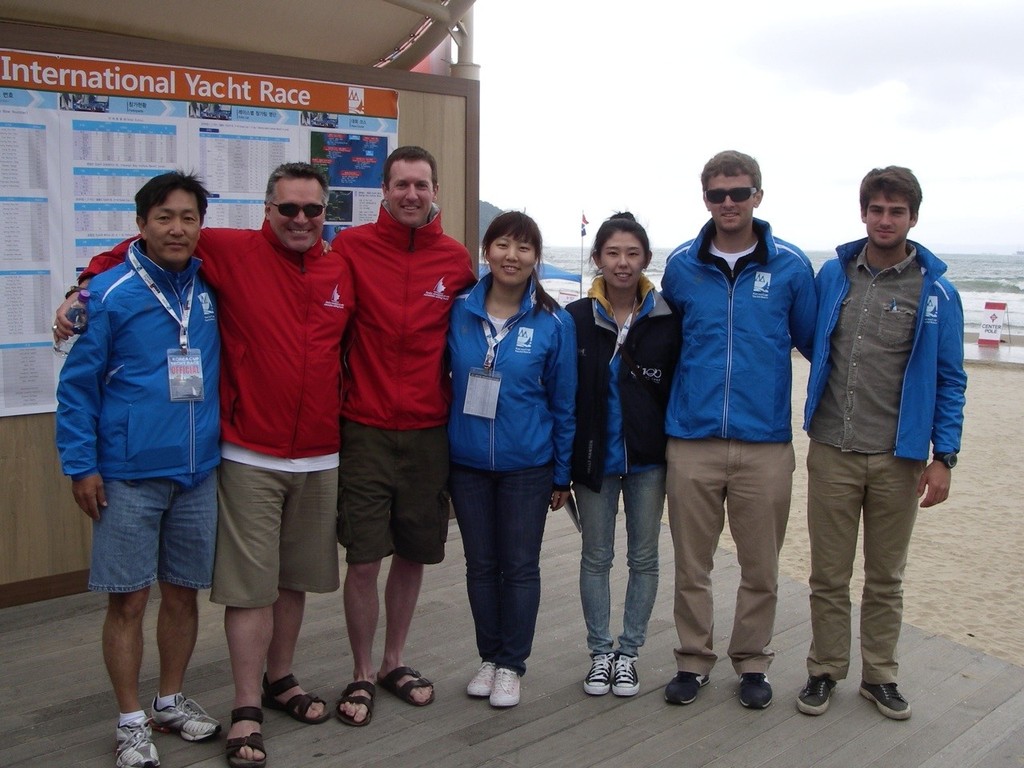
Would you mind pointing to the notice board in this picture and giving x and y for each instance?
(79, 135)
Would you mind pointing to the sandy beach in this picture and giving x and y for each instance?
(965, 578)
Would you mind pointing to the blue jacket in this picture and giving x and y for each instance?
(735, 375)
(114, 412)
(934, 383)
(536, 413)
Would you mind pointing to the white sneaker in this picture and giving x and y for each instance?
(506, 688)
(135, 747)
(625, 681)
(599, 679)
(483, 681)
(185, 718)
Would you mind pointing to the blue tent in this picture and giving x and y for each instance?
(565, 286)
(550, 272)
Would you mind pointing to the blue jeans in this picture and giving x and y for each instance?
(501, 516)
(154, 530)
(644, 502)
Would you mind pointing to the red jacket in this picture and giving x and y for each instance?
(282, 317)
(406, 280)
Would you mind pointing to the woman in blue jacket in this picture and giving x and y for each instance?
(512, 353)
(628, 340)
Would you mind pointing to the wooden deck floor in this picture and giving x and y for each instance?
(56, 708)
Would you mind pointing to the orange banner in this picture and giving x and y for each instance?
(45, 72)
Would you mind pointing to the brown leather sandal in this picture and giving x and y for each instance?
(253, 740)
(298, 705)
(348, 697)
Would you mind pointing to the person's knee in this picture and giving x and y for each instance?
(363, 574)
(177, 598)
(128, 607)
(597, 559)
(644, 563)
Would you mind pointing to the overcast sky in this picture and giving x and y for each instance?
(604, 106)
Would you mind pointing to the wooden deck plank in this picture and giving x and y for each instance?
(56, 707)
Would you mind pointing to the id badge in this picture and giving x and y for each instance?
(185, 375)
(482, 393)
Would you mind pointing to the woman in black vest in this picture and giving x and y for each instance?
(628, 343)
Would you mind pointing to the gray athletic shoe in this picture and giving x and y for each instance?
(135, 747)
(186, 718)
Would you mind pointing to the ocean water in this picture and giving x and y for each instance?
(978, 277)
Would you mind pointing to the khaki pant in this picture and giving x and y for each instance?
(840, 488)
(754, 482)
(274, 529)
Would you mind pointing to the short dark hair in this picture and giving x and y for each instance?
(731, 163)
(155, 192)
(891, 181)
(519, 226)
(624, 221)
(296, 171)
(410, 154)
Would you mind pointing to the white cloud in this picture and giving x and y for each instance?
(604, 106)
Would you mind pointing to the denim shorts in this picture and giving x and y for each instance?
(154, 530)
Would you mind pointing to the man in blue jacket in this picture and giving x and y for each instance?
(138, 432)
(746, 298)
(887, 383)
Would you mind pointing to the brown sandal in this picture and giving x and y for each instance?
(254, 740)
(390, 683)
(298, 705)
(347, 697)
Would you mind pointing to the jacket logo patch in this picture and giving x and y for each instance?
(207, 304)
(931, 310)
(438, 292)
(524, 340)
(335, 300)
(762, 282)
(652, 374)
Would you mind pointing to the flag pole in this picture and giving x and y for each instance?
(583, 234)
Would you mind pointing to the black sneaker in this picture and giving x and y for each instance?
(887, 698)
(599, 679)
(755, 690)
(682, 689)
(814, 698)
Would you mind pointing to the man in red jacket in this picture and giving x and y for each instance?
(284, 301)
(393, 498)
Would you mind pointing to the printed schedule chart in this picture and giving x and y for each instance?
(79, 136)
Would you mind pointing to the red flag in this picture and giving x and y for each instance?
(583, 225)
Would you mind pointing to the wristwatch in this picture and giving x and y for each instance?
(949, 459)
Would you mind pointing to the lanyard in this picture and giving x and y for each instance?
(186, 308)
(493, 341)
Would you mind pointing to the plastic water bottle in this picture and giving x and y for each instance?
(78, 314)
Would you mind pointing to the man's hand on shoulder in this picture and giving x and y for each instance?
(90, 495)
(933, 487)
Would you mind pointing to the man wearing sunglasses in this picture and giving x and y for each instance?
(746, 298)
(284, 303)
(887, 384)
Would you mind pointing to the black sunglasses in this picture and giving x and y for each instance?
(738, 194)
(291, 210)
